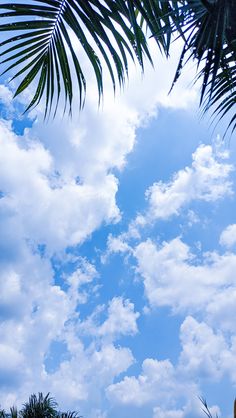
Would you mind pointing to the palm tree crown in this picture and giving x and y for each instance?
(39, 406)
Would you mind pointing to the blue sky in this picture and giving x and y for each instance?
(118, 239)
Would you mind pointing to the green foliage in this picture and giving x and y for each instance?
(208, 30)
(43, 46)
(40, 47)
(39, 407)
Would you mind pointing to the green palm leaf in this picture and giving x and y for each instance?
(40, 48)
(43, 51)
(208, 30)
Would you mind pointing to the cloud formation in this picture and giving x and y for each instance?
(228, 236)
(171, 272)
(58, 185)
(207, 179)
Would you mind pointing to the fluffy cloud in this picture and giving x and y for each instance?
(80, 381)
(44, 314)
(121, 320)
(141, 390)
(159, 385)
(171, 391)
(206, 352)
(170, 273)
(5, 95)
(207, 179)
(228, 236)
(52, 210)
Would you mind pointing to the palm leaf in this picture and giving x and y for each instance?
(69, 414)
(43, 52)
(206, 409)
(208, 30)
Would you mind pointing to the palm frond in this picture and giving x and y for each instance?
(208, 30)
(43, 50)
(13, 412)
(39, 407)
(206, 409)
(70, 414)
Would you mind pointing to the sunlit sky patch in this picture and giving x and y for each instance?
(118, 240)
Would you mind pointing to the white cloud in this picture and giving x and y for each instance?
(143, 389)
(47, 314)
(121, 320)
(170, 274)
(82, 276)
(51, 210)
(228, 236)
(207, 179)
(203, 350)
(173, 277)
(160, 413)
(6, 95)
(80, 381)
(172, 391)
(206, 352)
(159, 386)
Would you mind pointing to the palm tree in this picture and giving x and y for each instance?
(39, 407)
(110, 31)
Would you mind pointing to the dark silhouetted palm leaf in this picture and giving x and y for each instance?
(111, 31)
(206, 409)
(209, 32)
(43, 49)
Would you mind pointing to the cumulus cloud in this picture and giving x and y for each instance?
(170, 273)
(52, 210)
(142, 390)
(228, 236)
(171, 390)
(159, 385)
(46, 314)
(207, 179)
(121, 320)
(206, 351)
(6, 95)
(80, 280)
(80, 381)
